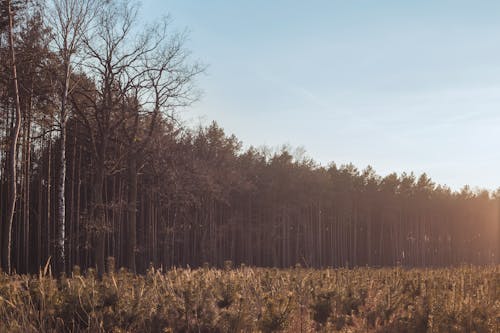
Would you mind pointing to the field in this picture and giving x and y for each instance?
(463, 299)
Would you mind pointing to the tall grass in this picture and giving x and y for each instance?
(464, 299)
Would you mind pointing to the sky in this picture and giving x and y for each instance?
(398, 85)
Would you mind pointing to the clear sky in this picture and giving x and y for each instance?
(399, 85)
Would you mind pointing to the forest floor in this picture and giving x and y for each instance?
(462, 299)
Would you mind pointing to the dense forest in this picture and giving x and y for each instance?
(95, 163)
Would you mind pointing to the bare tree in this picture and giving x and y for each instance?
(139, 77)
(70, 20)
(165, 83)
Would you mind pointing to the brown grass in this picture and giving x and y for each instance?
(464, 299)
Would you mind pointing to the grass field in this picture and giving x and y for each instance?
(464, 299)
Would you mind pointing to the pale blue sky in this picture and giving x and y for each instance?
(399, 85)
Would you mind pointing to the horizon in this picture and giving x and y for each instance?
(400, 87)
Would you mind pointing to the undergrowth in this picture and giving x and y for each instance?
(464, 299)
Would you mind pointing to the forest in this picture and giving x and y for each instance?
(96, 162)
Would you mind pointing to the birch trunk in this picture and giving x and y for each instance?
(61, 201)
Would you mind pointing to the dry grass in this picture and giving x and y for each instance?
(464, 299)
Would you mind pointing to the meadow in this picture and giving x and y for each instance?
(247, 299)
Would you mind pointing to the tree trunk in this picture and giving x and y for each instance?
(27, 188)
(7, 244)
(61, 202)
(99, 217)
(132, 211)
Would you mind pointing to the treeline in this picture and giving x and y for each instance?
(104, 169)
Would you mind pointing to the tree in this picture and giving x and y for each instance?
(139, 78)
(7, 245)
(70, 20)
